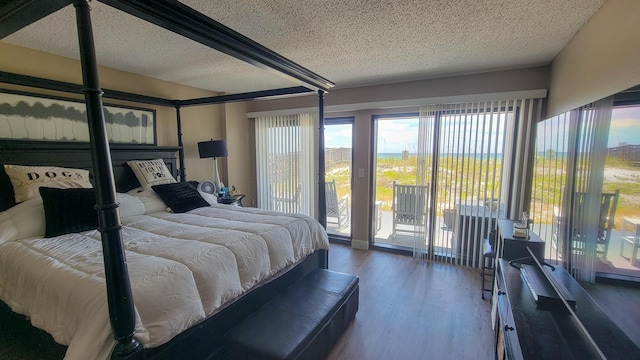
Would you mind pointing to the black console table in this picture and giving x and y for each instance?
(523, 331)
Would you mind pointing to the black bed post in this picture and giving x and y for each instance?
(121, 309)
(183, 174)
(322, 203)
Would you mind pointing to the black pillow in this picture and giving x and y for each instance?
(68, 210)
(7, 196)
(180, 197)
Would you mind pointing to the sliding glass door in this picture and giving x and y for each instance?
(338, 151)
(399, 207)
(444, 177)
(462, 160)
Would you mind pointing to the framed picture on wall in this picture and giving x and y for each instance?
(26, 116)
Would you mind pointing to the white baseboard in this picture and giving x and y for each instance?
(360, 244)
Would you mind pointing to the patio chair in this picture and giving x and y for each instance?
(287, 202)
(630, 236)
(449, 219)
(337, 208)
(409, 206)
(608, 205)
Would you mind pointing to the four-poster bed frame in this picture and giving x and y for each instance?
(180, 19)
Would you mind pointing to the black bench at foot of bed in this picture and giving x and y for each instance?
(304, 322)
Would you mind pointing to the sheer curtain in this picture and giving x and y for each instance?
(475, 157)
(285, 163)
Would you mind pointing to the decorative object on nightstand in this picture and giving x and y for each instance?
(214, 149)
(232, 200)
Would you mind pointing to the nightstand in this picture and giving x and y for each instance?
(232, 200)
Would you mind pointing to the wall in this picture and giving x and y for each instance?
(600, 60)
(237, 131)
(199, 123)
(414, 93)
(364, 102)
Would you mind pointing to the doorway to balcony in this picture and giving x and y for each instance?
(395, 164)
(444, 176)
(338, 154)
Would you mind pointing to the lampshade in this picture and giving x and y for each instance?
(213, 148)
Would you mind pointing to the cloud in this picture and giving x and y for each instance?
(626, 123)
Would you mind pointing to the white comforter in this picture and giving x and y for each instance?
(183, 267)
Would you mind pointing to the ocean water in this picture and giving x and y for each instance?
(477, 156)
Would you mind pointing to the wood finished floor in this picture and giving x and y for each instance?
(408, 310)
(412, 309)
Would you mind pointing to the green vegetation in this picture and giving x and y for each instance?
(547, 190)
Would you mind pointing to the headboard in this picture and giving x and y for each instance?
(77, 155)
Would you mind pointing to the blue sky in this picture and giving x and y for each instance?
(625, 126)
(398, 134)
(336, 136)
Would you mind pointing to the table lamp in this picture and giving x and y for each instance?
(213, 149)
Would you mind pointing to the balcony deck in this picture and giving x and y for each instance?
(615, 266)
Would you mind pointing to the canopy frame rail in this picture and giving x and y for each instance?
(55, 85)
(182, 20)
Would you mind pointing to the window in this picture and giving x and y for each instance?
(285, 158)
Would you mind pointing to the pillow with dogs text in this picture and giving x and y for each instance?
(26, 180)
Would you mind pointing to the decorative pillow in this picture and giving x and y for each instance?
(180, 197)
(68, 210)
(151, 172)
(26, 180)
(7, 197)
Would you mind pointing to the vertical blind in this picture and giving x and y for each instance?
(473, 156)
(591, 150)
(285, 148)
(549, 185)
(571, 150)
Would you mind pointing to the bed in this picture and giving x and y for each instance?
(220, 261)
(128, 224)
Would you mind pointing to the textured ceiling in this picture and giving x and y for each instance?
(350, 42)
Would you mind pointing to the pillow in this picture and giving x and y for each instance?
(180, 197)
(151, 172)
(68, 210)
(210, 198)
(151, 201)
(26, 180)
(129, 205)
(25, 220)
(7, 197)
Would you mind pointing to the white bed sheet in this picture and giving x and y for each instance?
(183, 268)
